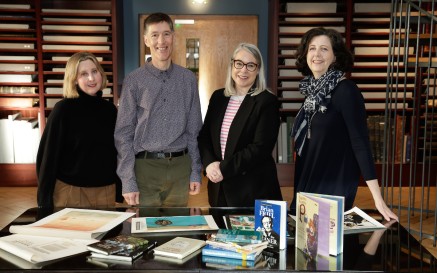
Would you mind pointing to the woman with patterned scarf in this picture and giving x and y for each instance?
(330, 130)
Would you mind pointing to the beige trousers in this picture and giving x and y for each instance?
(83, 197)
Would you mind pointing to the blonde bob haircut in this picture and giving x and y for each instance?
(260, 81)
(71, 73)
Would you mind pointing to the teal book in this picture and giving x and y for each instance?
(173, 224)
(238, 236)
(228, 261)
(210, 250)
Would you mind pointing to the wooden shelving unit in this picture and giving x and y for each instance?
(47, 32)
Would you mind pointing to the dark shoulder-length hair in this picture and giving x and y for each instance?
(343, 57)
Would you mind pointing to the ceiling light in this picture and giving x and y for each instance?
(199, 2)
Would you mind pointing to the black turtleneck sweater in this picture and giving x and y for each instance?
(77, 146)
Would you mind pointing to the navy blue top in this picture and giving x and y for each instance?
(339, 149)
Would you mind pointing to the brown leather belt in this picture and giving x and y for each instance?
(160, 155)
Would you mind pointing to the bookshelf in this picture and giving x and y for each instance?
(36, 39)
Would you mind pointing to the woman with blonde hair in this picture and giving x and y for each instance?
(76, 160)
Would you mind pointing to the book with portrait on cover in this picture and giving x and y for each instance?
(173, 224)
(271, 221)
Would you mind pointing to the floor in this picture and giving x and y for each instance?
(15, 200)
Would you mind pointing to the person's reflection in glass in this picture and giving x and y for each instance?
(366, 255)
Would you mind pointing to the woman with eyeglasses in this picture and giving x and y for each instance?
(239, 133)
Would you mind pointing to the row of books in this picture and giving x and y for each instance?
(399, 132)
(19, 139)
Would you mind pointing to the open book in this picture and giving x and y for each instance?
(62, 234)
(356, 220)
(74, 223)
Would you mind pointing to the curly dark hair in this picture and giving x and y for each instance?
(343, 57)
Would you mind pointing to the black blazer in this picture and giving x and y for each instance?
(248, 168)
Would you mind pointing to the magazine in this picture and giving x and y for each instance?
(74, 223)
(173, 224)
(356, 221)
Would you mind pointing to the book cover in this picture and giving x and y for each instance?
(245, 222)
(356, 221)
(173, 224)
(126, 254)
(74, 223)
(336, 211)
(179, 247)
(238, 236)
(210, 250)
(237, 247)
(312, 226)
(117, 244)
(271, 220)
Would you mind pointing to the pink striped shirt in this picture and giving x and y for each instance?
(231, 111)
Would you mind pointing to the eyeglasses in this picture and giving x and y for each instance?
(249, 66)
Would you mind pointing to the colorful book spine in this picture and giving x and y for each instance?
(227, 261)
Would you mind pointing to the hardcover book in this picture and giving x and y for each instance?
(312, 226)
(173, 224)
(210, 250)
(126, 254)
(271, 220)
(336, 211)
(214, 261)
(179, 247)
(245, 222)
(117, 244)
(237, 247)
(238, 236)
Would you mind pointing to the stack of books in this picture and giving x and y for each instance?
(240, 248)
(120, 248)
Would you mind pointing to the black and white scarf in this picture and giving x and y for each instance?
(317, 94)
